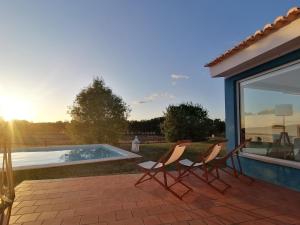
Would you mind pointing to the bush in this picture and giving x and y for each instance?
(186, 121)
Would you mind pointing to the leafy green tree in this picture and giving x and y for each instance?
(186, 121)
(217, 127)
(145, 126)
(98, 115)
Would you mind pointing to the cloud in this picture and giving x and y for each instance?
(176, 77)
(153, 97)
(179, 77)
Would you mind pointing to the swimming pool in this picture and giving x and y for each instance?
(41, 157)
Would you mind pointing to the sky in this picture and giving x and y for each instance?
(150, 53)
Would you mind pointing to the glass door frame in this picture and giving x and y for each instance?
(268, 73)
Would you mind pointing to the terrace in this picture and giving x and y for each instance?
(114, 200)
(263, 69)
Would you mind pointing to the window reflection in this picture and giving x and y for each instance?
(270, 114)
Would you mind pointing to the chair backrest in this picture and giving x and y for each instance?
(242, 145)
(215, 150)
(176, 153)
(237, 149)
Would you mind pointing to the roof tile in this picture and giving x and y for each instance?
(279, 22)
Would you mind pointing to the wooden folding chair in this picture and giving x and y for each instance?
(151, 169)
(202, 164)
(228, 163)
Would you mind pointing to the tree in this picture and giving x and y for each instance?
(146, 126)
(186, 121)
(98, 115)
(217, 127)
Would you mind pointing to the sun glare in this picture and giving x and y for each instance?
(15, 108)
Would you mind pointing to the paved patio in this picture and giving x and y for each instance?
(113, 200)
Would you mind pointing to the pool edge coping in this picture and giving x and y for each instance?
(125, 155)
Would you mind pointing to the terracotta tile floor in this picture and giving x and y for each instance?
(113, 200)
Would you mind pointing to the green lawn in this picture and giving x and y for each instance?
(147, 151)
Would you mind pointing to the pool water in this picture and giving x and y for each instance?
(25, 157)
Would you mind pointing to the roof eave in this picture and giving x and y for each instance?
(268, 29)
(278, 43)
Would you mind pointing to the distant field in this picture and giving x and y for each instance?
(147, 151)
(47, 138)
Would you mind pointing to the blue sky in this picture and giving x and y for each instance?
(151, 53)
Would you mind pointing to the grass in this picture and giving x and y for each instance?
(147, 151)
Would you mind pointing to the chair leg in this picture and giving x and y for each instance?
(217, 171)
(218, 178)
(141, 179)
(183, 173)
(206, 173)
(179, 168)
(165, 178)
(147, 173)
(238, 176)
(176, 181)
(161, 183)
(236, 173)
(241, 170)
(189, 170)
(165, 182)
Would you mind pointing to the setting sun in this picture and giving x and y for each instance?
(13, 107)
